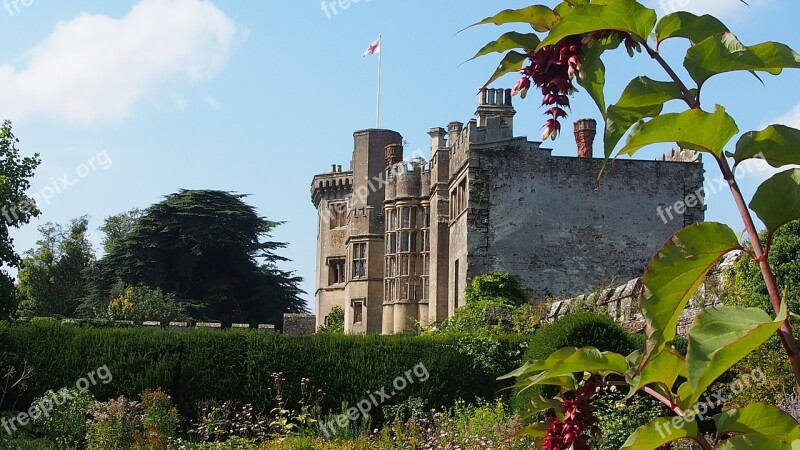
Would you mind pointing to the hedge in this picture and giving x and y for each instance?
(198, 365)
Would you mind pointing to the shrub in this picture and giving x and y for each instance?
(159, 420)
(113, 425)
(575, 330)
(498, 287)
(335, 321)
(65, 423)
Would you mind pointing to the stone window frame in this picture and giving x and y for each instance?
(358, 305)
(337, 215)
(341, 261)
(359, 265)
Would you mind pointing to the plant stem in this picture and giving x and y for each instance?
(687, 94)
(678, 411)
(785, 332)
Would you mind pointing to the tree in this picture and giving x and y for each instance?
(53, 276)
(117, 227)
(16, 209)
(335, 323)
(207, 247)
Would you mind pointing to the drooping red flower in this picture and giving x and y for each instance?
(579, 424)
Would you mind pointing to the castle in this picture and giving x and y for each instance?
(398, 241)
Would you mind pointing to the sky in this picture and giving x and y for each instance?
(132, 100)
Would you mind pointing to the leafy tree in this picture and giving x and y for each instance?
(52, 277)
(117, 227)
(207, 246)
(16, 209)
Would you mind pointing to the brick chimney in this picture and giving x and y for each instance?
(585, 132)
(394, 154)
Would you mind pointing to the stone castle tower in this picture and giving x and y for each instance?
(399, 240)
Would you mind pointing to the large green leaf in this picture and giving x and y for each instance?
(509, 41)
(759, 418)
(777, 200)
(719, 338)
(622, 15)
(569, 360)
(512, 62)
(660, 431)
(779, 145)
(663, 369)
(753, 442)
(540, 17)
(684, 24)
(693, 129)
(642, 98)
(675, 274)
(723, 53)
(594, 80)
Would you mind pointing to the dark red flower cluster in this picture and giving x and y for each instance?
(571, 433)
(552, 69)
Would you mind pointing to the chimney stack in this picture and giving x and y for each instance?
(394, 154)
(585, 132)
(495, 103)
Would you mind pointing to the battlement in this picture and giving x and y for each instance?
(408, 179)
(681, 155)
(333, 185)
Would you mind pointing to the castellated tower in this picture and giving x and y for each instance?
(408, 244)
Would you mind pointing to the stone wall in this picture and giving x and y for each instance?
(299, 324)
(622, 303)
(548, 220)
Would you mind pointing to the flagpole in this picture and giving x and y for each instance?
(380, 61)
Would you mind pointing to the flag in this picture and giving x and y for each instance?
(373, 48)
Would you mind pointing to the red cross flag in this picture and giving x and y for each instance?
(373, 48)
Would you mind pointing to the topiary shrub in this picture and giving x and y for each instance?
(574, 330)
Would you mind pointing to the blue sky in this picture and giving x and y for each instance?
(134, 100)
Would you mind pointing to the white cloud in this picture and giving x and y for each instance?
(94, 68)
(790, 119)
(719, 8)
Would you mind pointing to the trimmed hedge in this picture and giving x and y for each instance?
(575, 330)
(197, 365)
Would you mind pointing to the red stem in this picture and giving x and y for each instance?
(785, 332)
(678, 411)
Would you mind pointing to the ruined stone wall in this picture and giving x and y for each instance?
(546, 219)
(623, 302)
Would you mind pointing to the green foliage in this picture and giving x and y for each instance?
(721, 337)
(573, 330)
(118, 227)
(335, 321)
(619, 416)
(498, 287)
(207, 246)
(113, 424)
(198, 365)
(65, 423)
(744, 286)
(52, 277)
(142, 303)
(159, 420)
(16, 209)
